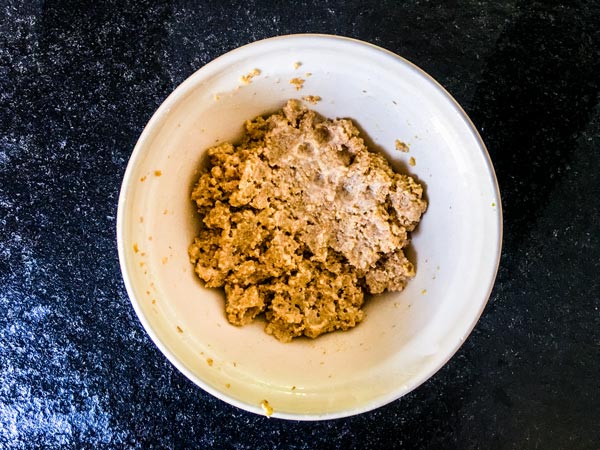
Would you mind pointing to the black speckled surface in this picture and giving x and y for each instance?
(78, 82)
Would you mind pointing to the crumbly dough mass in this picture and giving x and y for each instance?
(300, 221)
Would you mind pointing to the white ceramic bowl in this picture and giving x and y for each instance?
(406, 337)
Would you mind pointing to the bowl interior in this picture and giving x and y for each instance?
(405, 336)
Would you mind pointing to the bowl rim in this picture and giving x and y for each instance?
(154, 120)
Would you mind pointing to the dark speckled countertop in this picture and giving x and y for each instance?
(80, 79)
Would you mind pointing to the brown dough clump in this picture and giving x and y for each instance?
(299, 221)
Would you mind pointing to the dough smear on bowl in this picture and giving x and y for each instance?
(300, 221)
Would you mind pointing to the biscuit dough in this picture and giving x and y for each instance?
(300, 221)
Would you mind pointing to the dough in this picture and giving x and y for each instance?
(300, 221)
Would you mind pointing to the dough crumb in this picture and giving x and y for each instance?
(299, 221)
(297, 64)
(298, 82)
(157, 173)
(412, 162)
(268, 409)
(401, 146)
(314, 99)
(247, 79)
